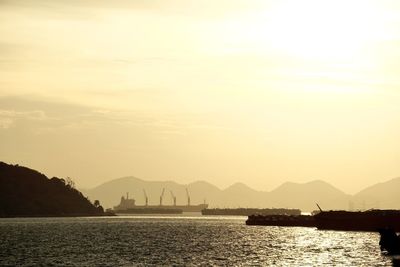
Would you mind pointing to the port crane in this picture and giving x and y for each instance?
(188, 197)
(161, 196)
(146, 199)
(173, 197)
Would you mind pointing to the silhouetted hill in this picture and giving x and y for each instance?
(294, 195)
(384, 195)
(240, 195)
(26, 192)
(197, 196)
(289, 195)
(110, 192)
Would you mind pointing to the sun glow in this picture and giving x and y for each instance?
(333, 46)
(265, 90)
(320, 30)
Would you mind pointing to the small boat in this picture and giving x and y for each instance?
(390, 241)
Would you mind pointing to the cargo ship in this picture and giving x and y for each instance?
(128, 206)
(370, 220)
(247, 212)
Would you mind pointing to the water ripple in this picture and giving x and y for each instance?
(189, 241)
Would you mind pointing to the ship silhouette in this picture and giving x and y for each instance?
(128, 205)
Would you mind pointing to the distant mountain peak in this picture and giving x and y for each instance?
(314, 185)
(318, 183)
(393, 180)
(382, 187)
(301, 195)
(312, 182)
(239, 186)
(200, 182)
(204, 185)
(122, 180)
(129, 178)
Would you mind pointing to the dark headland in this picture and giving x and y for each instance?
(28, 193)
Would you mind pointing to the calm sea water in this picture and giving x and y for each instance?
(179, 240)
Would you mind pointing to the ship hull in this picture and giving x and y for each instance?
(182, 208)
(150, 211)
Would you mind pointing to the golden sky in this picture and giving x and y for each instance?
(260, 92)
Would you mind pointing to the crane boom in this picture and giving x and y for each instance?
(161, 196)
(146, 198)
(188, 196)
(173, 197)
(319, 207)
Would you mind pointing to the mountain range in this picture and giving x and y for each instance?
(289, 195)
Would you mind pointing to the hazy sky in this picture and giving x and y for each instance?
(260, 92)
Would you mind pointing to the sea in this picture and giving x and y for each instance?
(184, 240)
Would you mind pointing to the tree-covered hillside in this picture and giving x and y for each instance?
(26, 192)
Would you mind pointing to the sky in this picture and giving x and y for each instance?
(258, 92)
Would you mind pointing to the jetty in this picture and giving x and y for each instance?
(282, 220)
(250, 211)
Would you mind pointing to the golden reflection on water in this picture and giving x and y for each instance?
(176, 240)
